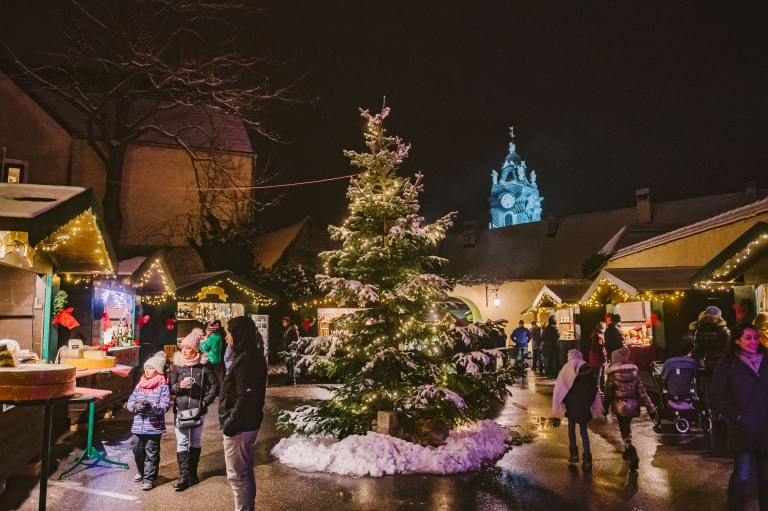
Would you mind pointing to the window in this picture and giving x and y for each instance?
(508, 219)
(13, 171)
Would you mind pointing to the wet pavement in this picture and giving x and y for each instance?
(677, 472)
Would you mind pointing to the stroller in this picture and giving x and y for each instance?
(676, 382)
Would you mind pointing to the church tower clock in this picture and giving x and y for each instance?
(515, 197)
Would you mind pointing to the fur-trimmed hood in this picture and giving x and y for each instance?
(178, 360)
(707, 319)
(630, 370)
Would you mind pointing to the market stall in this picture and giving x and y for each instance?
(221, 295)
(562, 302)
(43, 230)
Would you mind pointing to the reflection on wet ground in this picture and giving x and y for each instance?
(545, 422)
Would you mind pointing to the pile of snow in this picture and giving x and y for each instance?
(377, 455)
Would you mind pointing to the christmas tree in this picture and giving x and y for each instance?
(393, 355)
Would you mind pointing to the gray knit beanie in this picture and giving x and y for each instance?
(157, 362)
(713, 311)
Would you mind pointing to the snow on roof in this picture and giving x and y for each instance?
(19, 200)
(714, 222)
(129, 266)
(270, 247)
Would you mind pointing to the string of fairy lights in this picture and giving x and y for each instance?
(731, 265)
(82, 225)
(256, 297)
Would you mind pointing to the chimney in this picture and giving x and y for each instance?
(551, 226)
(469, 233)
(751, 189)
(644, 208)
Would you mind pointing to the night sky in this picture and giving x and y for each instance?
(605, 97)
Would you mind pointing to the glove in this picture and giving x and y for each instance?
(146, 407)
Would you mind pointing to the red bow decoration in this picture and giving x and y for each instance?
(607, 319)
(143, 321)
(105, 321)
(739, 311)
(169, 323)
(653, 321)
(306, 324)
(65, 318)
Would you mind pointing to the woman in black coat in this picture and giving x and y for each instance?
(739, 392)
(551, 348)
(195, 385)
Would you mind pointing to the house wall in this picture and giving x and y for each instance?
(696, 250)
(28, 133)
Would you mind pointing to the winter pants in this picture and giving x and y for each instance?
(703, 381)
(625, 428)
(536, 361)
(238, 454)
(290, 367)
(550, 365)
(521, 354)
(599, 374)
(584, 435)
(146, 452)
(186, 438)
(738, 486)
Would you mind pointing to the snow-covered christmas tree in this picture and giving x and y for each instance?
(394, 357)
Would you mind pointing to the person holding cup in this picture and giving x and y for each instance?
(195, 385)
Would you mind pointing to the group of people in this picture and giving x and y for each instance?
(228, 364)
(544, 346)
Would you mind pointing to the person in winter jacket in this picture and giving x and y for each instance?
(597, 355)
(290, 339)
(195, 385)
(761, 324)
(614, 337)
(739, 392)
(536, 345)
(521, 336)
(149, 401)
(551, 336)
(213, 347)
(624, 393)
(241, 408)
(710, 340)
(576, 393)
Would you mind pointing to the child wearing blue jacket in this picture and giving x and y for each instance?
(149, 401)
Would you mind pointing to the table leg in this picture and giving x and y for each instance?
(46, 454)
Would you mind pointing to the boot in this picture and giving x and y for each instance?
(634, 459)
(194, 459)
(574, 454)
(586, 465)
(627, 445)
(183, 482)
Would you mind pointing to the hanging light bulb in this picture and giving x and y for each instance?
(496, 300)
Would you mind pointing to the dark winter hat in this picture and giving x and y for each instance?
(621, 356)
(601, 326)
(585, 369)
(243, 331)
(713, 311)
(286, 318)
(615, 318)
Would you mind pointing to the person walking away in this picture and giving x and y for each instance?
(536, 345)
(575, 394)
(213, 347)
(624, 393)
(195, 385)
(149, 401)
(521, 336)
(290, 340)
(761, 324)
(551, 336)
(241, 409)
(614, 336)
(710, 339)
(739, 392)
(597, 355)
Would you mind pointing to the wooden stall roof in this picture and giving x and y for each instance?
(148, 275)
(735, 259)
(555, 296)
(630, 282)
(188, 286)
(64, 222)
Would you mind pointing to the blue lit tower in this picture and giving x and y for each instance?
(515, 197)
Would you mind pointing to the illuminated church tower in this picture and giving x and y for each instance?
(515, 197)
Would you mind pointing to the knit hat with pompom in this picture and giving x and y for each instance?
(157, 362)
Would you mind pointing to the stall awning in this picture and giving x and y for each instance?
(64, 223)
(235, 288)
(148, 275)
(557, 296)
(730, 264)
(629, 283)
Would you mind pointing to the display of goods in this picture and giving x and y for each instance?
(36, 381)
(81, 364)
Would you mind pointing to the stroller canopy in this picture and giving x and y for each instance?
(675, 363)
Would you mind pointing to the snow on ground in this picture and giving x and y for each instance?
(377, 455)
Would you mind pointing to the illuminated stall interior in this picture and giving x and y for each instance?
(46, 230)
(562, 302)
(221, 295)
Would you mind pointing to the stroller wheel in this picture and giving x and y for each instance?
(657, 420)
(682, 425)
(706, 423)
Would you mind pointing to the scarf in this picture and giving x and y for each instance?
(190, 363)
(152, 383)
(752, 360)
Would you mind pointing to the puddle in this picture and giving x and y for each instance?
(545, 422)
